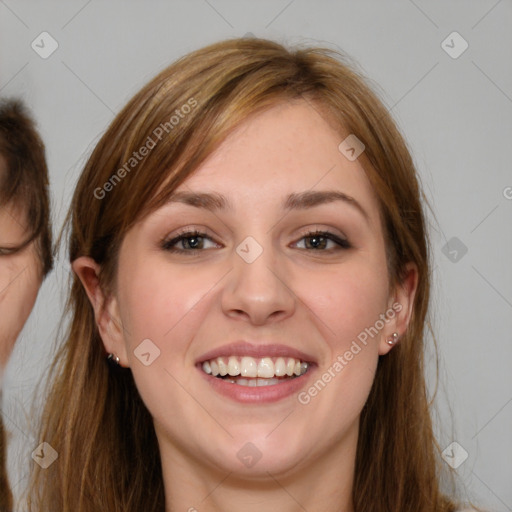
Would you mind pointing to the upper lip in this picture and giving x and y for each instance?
(256, 350)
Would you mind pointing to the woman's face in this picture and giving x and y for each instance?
(258, 290)
(20, 278)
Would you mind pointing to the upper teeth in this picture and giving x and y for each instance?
(266, 367)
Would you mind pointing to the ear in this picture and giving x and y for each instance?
(106, 311)
(400, 308)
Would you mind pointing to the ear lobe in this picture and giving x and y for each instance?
(402, 303)
(105, 308)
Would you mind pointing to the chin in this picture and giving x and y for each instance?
(256, 450)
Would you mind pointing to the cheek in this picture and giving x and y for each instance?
(19, 284)
(167, 308)
(347, 307)
(346, 301)
(160, 304)
(8, 270)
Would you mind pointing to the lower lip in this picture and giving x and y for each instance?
(258, 394)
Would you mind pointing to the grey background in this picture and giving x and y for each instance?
(455, 113)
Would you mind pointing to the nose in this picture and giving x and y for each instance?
(258, 292)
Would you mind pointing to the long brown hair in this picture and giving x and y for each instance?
(94, 417)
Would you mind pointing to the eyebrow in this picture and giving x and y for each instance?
(296, 201)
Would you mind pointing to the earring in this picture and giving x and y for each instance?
(112, 358)
(393, 340)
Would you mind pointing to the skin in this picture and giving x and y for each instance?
(293, 294)
(20, 279)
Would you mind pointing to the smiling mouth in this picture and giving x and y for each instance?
(255, 372)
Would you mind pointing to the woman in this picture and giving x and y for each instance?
(25, 236)
(251, 284)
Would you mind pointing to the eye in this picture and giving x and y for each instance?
(193, 240)
(7, 251)
(190, 242)
(319, 240)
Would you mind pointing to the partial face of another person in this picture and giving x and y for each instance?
(20, 277)
(251, 271)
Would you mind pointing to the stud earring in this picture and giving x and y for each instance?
(393, 339)
(113, 359)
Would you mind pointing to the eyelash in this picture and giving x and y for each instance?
(167, 245)
(7, 251)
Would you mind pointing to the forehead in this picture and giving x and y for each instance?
(13, 229)
(290, 147)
